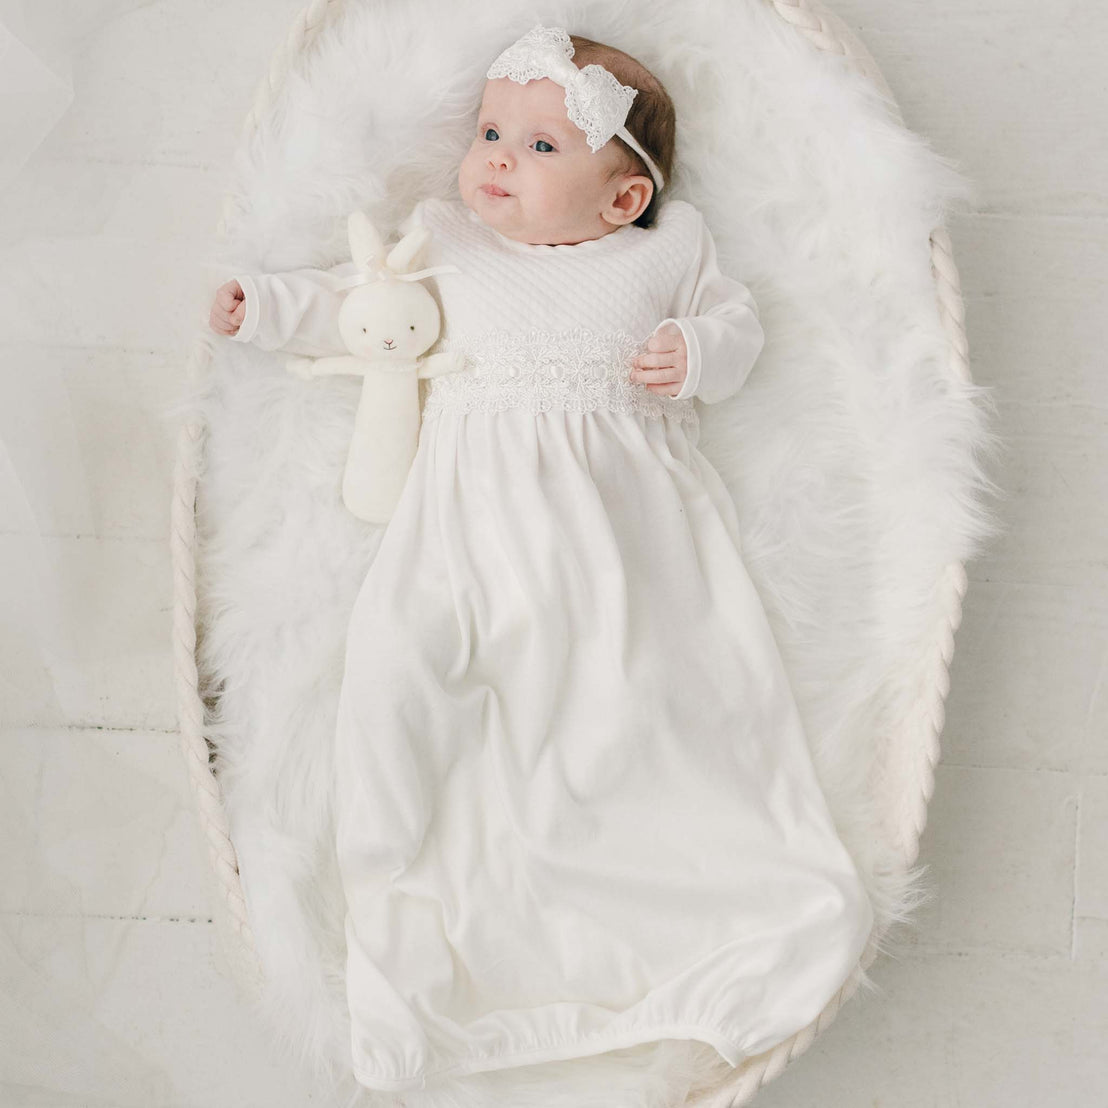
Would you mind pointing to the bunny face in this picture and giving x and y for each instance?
(389, 320)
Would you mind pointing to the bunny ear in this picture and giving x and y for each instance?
(367, 248)
(405, 255)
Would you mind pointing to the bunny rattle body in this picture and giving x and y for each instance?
(387, 321)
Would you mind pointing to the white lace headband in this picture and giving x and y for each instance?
(595, 100)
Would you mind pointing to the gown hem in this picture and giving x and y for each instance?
(575, 1048)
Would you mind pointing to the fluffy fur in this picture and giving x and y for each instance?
(853, 453)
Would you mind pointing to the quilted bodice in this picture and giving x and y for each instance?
(554, 326)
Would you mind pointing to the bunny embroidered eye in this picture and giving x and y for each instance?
(411, 326)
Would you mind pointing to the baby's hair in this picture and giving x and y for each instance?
(652, 118)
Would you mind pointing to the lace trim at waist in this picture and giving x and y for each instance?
(575, 370)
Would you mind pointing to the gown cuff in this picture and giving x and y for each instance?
(249, 325)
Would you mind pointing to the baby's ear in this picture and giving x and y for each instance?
(407, 254)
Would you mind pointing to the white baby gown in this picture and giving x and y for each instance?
(575, 806)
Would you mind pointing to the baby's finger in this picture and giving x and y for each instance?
(646, 361)
(225, 297)
(239, 313)
(655, 376)
(221, 322)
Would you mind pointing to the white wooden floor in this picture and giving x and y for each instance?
(110, 988)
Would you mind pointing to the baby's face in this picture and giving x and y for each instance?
(558, 190)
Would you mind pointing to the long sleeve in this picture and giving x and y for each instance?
(719, 319)
(298, 311)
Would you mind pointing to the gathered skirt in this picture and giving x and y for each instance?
(576, 809)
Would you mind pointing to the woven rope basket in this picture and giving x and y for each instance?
(908, 771)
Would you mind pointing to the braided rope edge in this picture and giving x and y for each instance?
(828, 34)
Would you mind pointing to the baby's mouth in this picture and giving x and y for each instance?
(494, 190)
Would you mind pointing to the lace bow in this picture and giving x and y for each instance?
(596, 102)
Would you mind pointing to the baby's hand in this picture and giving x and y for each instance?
(228, 309)
(667, 365)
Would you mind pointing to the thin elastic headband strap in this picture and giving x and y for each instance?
(631, 141)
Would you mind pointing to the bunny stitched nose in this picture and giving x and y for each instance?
(388, 344)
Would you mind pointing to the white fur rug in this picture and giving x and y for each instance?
(852, 453)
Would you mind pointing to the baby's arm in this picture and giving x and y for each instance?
(295, 312)
(718, 319)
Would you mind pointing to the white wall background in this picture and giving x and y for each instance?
(111, 991)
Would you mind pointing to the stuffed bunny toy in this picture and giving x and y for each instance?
(387, 321)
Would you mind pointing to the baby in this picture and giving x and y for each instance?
(575, 808)
(531, 174)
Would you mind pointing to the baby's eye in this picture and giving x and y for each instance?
(490, 131)
(544, 143)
